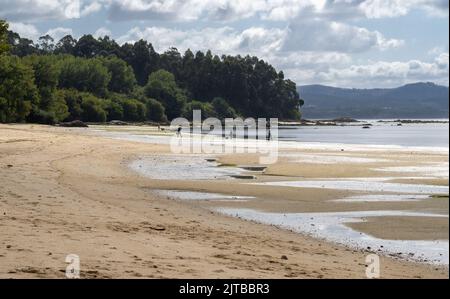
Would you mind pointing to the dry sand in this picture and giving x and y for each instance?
(66, 191)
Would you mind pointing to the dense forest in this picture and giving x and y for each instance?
(97, 80)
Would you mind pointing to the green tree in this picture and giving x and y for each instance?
(122, 75)
(207, 109)
(56, 111)
(89, 75)
(223, 109)
(18, 93)
(73, 99)
(87, 47)
(47, 44)
(142, 58)
(113, 109)
(46, 75)
(155, 110)
(251, 86)
(4, 46)
(134, 110)
(108, 47)
(92, 109)
(65, 45)
(171, 61)
(21, 46)
(58, 107)
(162, 86)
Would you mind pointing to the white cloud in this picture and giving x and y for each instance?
(71, 9)
(304, 66)
(385, 8)
(34, 10)
(59, 32)
(219, 10)
(330, 65)
(395, 8)
(384, 73)
(313, 36)
(31, 32)
(91, 8)
(289, 9)
(155, 10)
(310, 60)
(276, 10)
(442, 61)
(437, 50)
(25, 30)
(101, 32)
(322, 35)
(222, 40)
(313, 41)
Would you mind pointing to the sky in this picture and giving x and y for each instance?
(342, 43)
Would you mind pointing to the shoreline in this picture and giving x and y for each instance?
(416, 254)
(125, 216)
(147, 134)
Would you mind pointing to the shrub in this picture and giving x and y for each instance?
(155, 111)
(223, 109)
(92, 109)
(206, 108)
(114, 110)
(134, 110)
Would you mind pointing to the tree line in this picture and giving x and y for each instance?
(97, 80)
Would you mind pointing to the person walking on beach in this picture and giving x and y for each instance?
(269, 133)
(179, 131)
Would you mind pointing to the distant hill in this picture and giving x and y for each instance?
(418, 100)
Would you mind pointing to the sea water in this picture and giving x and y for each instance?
(422, 135)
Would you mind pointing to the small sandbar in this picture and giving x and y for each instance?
(404, 228)
(362, 184)
(440, 171)
(199, 196)
(182, 167)
(334, 227)
(383, 198)
(328, 159)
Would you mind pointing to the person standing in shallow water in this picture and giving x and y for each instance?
(179, 131)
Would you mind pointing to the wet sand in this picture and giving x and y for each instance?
(405, 228)
(68, 191)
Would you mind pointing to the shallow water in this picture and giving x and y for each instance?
(427, 135)
(331, 227)
(383, 198)
(368, 185)
(200, 196)
(431, 170)
(321, 141)
(328, 159)
(189, 167)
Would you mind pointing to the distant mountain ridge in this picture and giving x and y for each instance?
(417, 100)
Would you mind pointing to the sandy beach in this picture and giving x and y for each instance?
(72, 191)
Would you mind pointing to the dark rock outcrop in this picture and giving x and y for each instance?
(73, 124)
